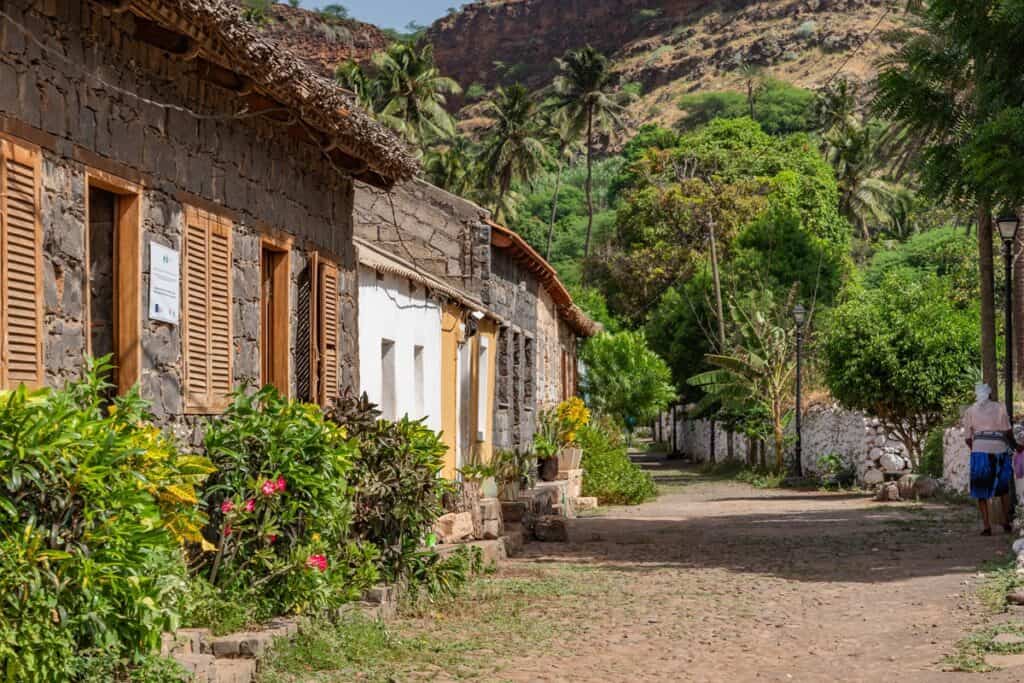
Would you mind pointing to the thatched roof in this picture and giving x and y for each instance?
(269, 73)
(573, 315)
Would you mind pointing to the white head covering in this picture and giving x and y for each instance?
(982, 392)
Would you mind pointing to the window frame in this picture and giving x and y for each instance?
(281, 329)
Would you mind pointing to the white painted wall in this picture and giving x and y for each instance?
(388, 311)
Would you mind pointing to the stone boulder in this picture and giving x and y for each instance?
(551, 529)
(889, 492)
(873, 477)
(454, 527)
(906, 485)
(892, 462)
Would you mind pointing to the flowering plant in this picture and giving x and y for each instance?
(281, 507)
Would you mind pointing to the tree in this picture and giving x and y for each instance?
(624, 378)
(512, 150)
(453, 166)
(903, 352)
(564, 139)
(584, 91)
(335, 11)
(409, 93)
(756, 373)
(950, 82)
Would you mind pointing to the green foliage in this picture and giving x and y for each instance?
(95, 505)
(625, 379)
(512, 150)
(903, 352)
(934, 453)
(680, 329)
(780, 108)
(610, 475)
(948, 253)
(443, 577)
(257, 11)
(282, 508)
(395, 482)
(476, 91)
(334, 11)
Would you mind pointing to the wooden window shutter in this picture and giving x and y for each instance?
(21, 266)
(329, 330)
(207, 328)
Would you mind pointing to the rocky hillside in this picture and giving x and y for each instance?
(668, 47)
(323, 41)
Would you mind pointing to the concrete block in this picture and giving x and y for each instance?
(202, 667)
(234, 671)
(249, 644)
(585, 503)
(512, 511)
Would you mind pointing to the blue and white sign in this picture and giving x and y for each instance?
(164, 284)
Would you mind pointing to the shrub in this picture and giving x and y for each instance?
(934, 453)
(396, 489)
(609, 475)
(282, 509)
(96, 505)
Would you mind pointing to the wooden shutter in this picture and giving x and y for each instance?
(21, 266)
(207, 320)
(329, 330)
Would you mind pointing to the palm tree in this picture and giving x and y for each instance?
(350, 75)
(584, 90)
(411, 93)
(565, 140)
(453, 166)
(513, 149)
(852, 148)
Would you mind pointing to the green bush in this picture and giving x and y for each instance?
(281, 509)
(96, 506)
(609, 475)
(934, 453)
(396, 490)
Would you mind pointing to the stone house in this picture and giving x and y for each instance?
(423, 257)
(537, 349)
(178, 192)
(508, 326)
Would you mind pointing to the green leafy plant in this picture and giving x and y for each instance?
(282, 508)
(609, 475)
(96, 503)
(396, 490)
(443, 577)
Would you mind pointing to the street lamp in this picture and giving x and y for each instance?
(1008, 224)
(799, 317)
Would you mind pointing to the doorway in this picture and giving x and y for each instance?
(274, 322)
(114, 277)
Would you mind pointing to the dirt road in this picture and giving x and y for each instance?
(720, 581)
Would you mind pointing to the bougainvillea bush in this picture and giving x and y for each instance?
(396, 489)
(95, 507)
(280, 538)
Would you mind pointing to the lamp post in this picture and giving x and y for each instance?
(799, 317)
(1008, 224)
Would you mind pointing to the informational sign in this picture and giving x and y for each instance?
(164, 284)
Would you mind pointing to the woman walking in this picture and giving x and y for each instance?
(989, 436)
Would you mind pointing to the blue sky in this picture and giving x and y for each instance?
(391, 13)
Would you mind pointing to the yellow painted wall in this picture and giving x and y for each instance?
(487, 329)
(451, 317)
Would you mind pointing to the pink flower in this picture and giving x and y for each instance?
(317, 562)
(272, 538)
(227, 530)
(250, 505)
(268, 488)
(227, 506)
(279, 485)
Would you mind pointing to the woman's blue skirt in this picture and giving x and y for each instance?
(991, 474)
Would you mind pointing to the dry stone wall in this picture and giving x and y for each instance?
(61, 99)
(860, 441)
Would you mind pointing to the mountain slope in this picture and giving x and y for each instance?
(668, 47)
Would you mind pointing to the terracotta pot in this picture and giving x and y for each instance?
(569, 458)
(547, 469)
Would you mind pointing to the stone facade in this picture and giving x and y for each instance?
(97, 98)
(860, 442)
(555, 344)
(512, 292)
(441, 233)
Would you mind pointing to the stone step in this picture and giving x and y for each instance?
(513, 540)
(202, 668)
(249, 644)
(512, 511)
(234, 671)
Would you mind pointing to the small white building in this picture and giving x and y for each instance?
(399, 337)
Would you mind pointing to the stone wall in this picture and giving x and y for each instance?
(441, 233)
(511, 292)
(859, 440)
(548, 361)
(142, 131)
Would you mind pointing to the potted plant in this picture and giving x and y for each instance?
(571, 415)
(546, 450)
(512, 468)
(483, 476)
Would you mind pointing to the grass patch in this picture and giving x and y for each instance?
(1000, 579)
(461, 637)
(971, 651)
